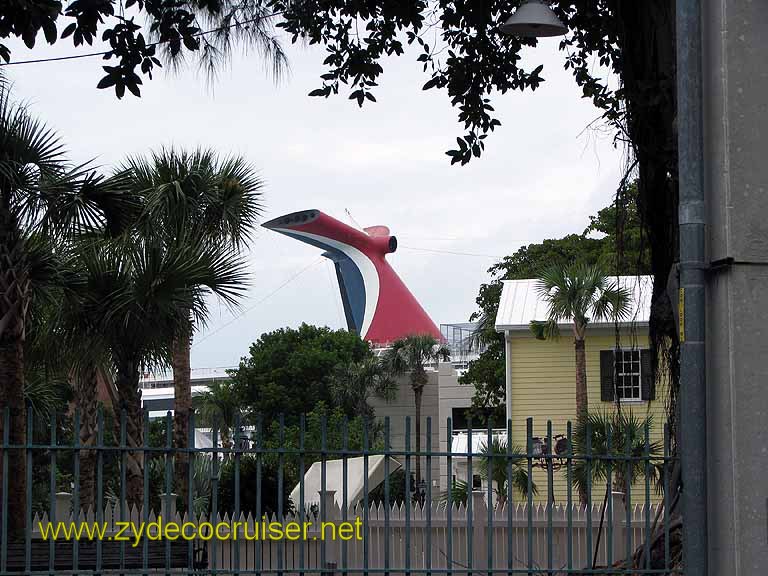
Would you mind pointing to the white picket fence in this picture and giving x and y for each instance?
(420, 538)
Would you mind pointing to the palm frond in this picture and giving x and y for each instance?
(621, 437)
(495, 464)
(459, 493)
(580, 294)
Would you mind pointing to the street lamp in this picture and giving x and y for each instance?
(534, 19)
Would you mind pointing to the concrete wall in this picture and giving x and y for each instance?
(736, 185)
(452, 395)
(442, 394)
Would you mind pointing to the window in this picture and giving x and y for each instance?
(477, 482)
(628, 375)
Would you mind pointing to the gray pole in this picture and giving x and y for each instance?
(693, 391)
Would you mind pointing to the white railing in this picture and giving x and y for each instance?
(148, 378)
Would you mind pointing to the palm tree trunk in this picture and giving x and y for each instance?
(14, 291)
(418, 393)
(182, 407)
(130, 401)
(12, 397)
(85, 399)
(582, 400)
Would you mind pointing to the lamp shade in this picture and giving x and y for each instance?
(534, 19)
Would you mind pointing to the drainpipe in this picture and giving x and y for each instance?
(508, 376)
(692, 215)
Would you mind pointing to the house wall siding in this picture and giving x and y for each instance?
(544, 388)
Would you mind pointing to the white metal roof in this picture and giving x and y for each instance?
(520, 302)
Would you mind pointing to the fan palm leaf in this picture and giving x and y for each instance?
(211, 203)
(41, 196)
(578, 294)
(616, 436)
(496, 462)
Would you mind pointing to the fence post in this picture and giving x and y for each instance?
(328, 514)
(479, 528)
(167, 515)
(63, 505)
(619, 513)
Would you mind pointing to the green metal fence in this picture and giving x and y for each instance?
(507, 510)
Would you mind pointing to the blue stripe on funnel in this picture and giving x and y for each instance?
(353, 288)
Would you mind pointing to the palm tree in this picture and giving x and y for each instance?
(494, 467)
(352, 386)
(215, 202)
(623, 427)
(135, 294)
(411, 355)
(457, 494)
(579, 294)
(41, 197)
(219, 406)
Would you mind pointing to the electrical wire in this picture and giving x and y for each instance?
(452, 252)
(260, 301)
(158, 43)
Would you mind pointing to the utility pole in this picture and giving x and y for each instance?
(735, 175)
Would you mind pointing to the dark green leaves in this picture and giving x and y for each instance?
(459, 45)
(291, 370)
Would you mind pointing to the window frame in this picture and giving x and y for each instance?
(639, 375)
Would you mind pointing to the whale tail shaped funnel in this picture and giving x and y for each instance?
(377, 305)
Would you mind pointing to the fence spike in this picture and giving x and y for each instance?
(133, 514)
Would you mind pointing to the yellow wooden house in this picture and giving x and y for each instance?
(541, 374)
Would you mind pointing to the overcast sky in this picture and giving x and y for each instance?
(541, 176)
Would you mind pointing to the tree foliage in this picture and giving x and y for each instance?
(495, 466)
(135, 29)
(462, 52)
(579, 294)
(354, 384)
(459, 45)
(290, 370)
(621, 437)
(600, 244)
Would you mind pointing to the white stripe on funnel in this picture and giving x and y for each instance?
(363, 263)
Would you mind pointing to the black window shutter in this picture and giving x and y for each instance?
(607, 387)
(647, 384)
